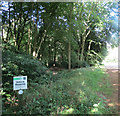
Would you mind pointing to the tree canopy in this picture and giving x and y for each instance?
(73, 34)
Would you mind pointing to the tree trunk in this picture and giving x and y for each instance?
(35, 35)
(22, 33)
(19, 27)
(88, 50)
(42, 39)
(54, 52)
(29, 42)
(69, 55)
(14, 35)
(83, 43)
(49, 53)
(39, 47)
(82, 51)
(78, 56)
(34, 44)
(2, 33)
(8, 37)
(69, 43)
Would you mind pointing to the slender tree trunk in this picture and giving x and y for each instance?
(14, 35)
(69, 43)
(42, 39)
(35, 36)
(49, 53)
(54, 52)
(82, 51)
(19, 27)
(8, 36)
(88, 49)
(39, 47)
(62, 56)
(78, 55)
(2, 33)
(83, 43)
(69, 55)
(29, 46)
(34, 44)
(89, 45)
(22, 33)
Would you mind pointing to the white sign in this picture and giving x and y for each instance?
(20, 92)
(19, 82)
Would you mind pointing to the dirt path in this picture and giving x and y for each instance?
(113, 76)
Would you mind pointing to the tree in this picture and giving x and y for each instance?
(59, 34)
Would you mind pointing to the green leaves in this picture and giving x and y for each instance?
(56, 24)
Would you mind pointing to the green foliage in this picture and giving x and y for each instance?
(44, 30)
(17, 64)
(72, 92)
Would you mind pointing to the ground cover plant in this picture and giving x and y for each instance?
(60, 92)
(74, 93)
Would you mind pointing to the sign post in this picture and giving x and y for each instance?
(19, 83)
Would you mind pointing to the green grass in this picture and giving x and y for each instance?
(75, 92)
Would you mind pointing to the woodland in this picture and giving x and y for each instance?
(59, 47)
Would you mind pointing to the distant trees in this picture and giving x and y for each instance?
(59, 34)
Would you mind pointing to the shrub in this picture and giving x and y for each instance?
(19, 64)
(16, 64)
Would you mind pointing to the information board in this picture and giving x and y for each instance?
(19, 82)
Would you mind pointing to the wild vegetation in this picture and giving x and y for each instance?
(41, 37)
(62, 92)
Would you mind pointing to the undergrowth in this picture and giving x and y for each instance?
(49, 93)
